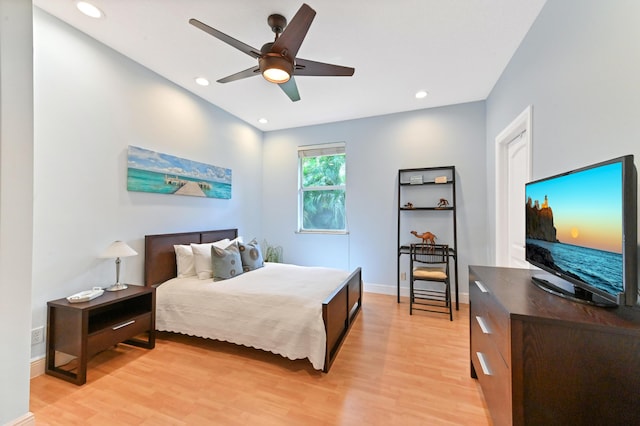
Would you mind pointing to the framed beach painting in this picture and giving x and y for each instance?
(150, 171)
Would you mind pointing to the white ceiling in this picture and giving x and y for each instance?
(453, 49)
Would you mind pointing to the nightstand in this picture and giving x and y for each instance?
(77, 331)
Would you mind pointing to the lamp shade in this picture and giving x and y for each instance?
(118, 249)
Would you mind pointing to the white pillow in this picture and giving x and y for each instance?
(202, 257)
(184, 260)
(235, 241)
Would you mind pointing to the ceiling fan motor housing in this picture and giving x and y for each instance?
(270, 62)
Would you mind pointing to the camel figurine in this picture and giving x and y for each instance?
(426, 237)
(443, 203)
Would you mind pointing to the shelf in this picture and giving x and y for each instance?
(426, 169)
(449, 182)
(112, 314)
(425, 193)
(405, 249)
(426, 208)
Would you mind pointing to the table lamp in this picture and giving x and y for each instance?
(116, 250)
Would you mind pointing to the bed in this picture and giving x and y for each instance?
(330, 310)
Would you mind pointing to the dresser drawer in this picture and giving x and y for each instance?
(117, 333)
(493, 373)
(492, 320)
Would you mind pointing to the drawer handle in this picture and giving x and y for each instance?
(123, 325)
(483, 325)
(481, 287)
(483, 364)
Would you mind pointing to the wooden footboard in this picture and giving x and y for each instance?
(339, 310)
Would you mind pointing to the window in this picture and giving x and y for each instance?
(322, 188)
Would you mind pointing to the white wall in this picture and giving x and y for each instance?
(376, 148)
(90, 104)
(16, 201)
(578, 67)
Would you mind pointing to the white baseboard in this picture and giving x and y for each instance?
(404, 291)
(384, 289)
(38, 364)
(37, 367)
(26, 420)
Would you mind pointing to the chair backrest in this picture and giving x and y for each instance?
(430, 253)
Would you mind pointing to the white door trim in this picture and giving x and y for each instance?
(521, 125)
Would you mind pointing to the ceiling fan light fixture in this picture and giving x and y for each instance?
(89, 9)
(276, 75)
(275, 68)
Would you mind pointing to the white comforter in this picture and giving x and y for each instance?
(277, 308)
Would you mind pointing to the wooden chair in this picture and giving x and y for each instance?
(429, 283)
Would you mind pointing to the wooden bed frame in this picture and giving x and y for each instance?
(339, 310)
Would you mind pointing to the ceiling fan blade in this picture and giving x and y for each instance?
(307, 67)
(249, 72)
(251, 51)
(293, 35)
(291, 89)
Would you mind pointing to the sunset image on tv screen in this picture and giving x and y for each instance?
(574, 222)
(586, 206)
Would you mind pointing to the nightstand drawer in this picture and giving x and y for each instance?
(117, 333)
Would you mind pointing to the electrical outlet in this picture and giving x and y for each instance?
(37, 335)
(403, 276)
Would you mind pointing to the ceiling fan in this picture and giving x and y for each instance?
(277, 61)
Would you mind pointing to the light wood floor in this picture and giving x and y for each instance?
(393, 369)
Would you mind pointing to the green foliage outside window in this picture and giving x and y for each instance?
(323, 192)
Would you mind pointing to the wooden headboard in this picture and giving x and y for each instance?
(160, 257)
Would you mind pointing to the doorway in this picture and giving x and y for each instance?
(513, 170)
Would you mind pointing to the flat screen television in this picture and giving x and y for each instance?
(581, 230)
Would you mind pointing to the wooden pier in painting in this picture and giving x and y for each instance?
(190, 188)
(169, 180)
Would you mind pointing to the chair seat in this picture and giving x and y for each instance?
(430, 273)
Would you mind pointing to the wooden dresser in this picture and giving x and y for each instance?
(544, 360)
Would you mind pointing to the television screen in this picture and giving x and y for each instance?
(581, 227)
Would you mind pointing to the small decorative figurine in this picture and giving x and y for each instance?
(426, 237)
(443, 203)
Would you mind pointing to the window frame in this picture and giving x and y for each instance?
(320, 150)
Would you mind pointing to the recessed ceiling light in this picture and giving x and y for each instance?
(89, 9)
(263, 121)
(421, 94)
(202, 81)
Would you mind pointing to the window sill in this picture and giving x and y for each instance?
(319, 232)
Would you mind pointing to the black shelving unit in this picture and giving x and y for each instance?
(419, 183)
